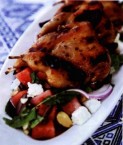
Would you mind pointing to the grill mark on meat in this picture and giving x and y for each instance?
(105, 36)
(93, 16)
(76, 48)
(117, 23)
(112, 47)
(67, 55)
(98, 59)
(93, 3)
(51, 61)
(90, 39)
(36, 62)
(43, 49)
(108, 24)
(67, 8)
(74, 73)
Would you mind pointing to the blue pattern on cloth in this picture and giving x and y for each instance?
(15, 17)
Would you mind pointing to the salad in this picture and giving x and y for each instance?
(64, 76)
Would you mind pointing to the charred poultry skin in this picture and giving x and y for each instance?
(70, 48)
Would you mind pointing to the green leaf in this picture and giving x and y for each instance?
(34, 78)
(60, 98)
(8, 121)
(24, 112)
(31, 115)
(37, 121)
(117, 60)
(20, 121)
(15, 122)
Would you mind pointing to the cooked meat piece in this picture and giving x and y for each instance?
(79, 12)
(44, 42)
(105, 32)
(114, 12)
(75, 58)
(80, 47)
(111, 8)
(52, 25)
(33, 60)
(19, 63)
(70, 48)
(58, 78)
(93, 12)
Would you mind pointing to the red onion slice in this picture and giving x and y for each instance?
(101, 93)
(80, 91)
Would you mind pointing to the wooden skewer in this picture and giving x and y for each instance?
(15, 57)
(9, 70)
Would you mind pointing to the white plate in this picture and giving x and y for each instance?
(76, 134)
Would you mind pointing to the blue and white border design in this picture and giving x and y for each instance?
(15, 17)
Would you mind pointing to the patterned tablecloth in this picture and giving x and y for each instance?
(15, 17)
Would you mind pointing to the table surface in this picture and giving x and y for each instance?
(15, 17)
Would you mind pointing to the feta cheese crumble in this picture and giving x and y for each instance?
(23, 100)
(80, 116)
(34, 89)
(92, 105)
(15, 84)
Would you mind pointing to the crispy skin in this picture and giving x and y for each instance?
(44, 42)
(74, 12)
(56, 78)
(70, 48)
(52, 25)
(112, 9)
(114, 12)
(80, 47)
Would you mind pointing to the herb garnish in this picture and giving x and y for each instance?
(117, 61)
(34, 78)
(60, 98)
(30, 115)
(36, 121)
(25, 117)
